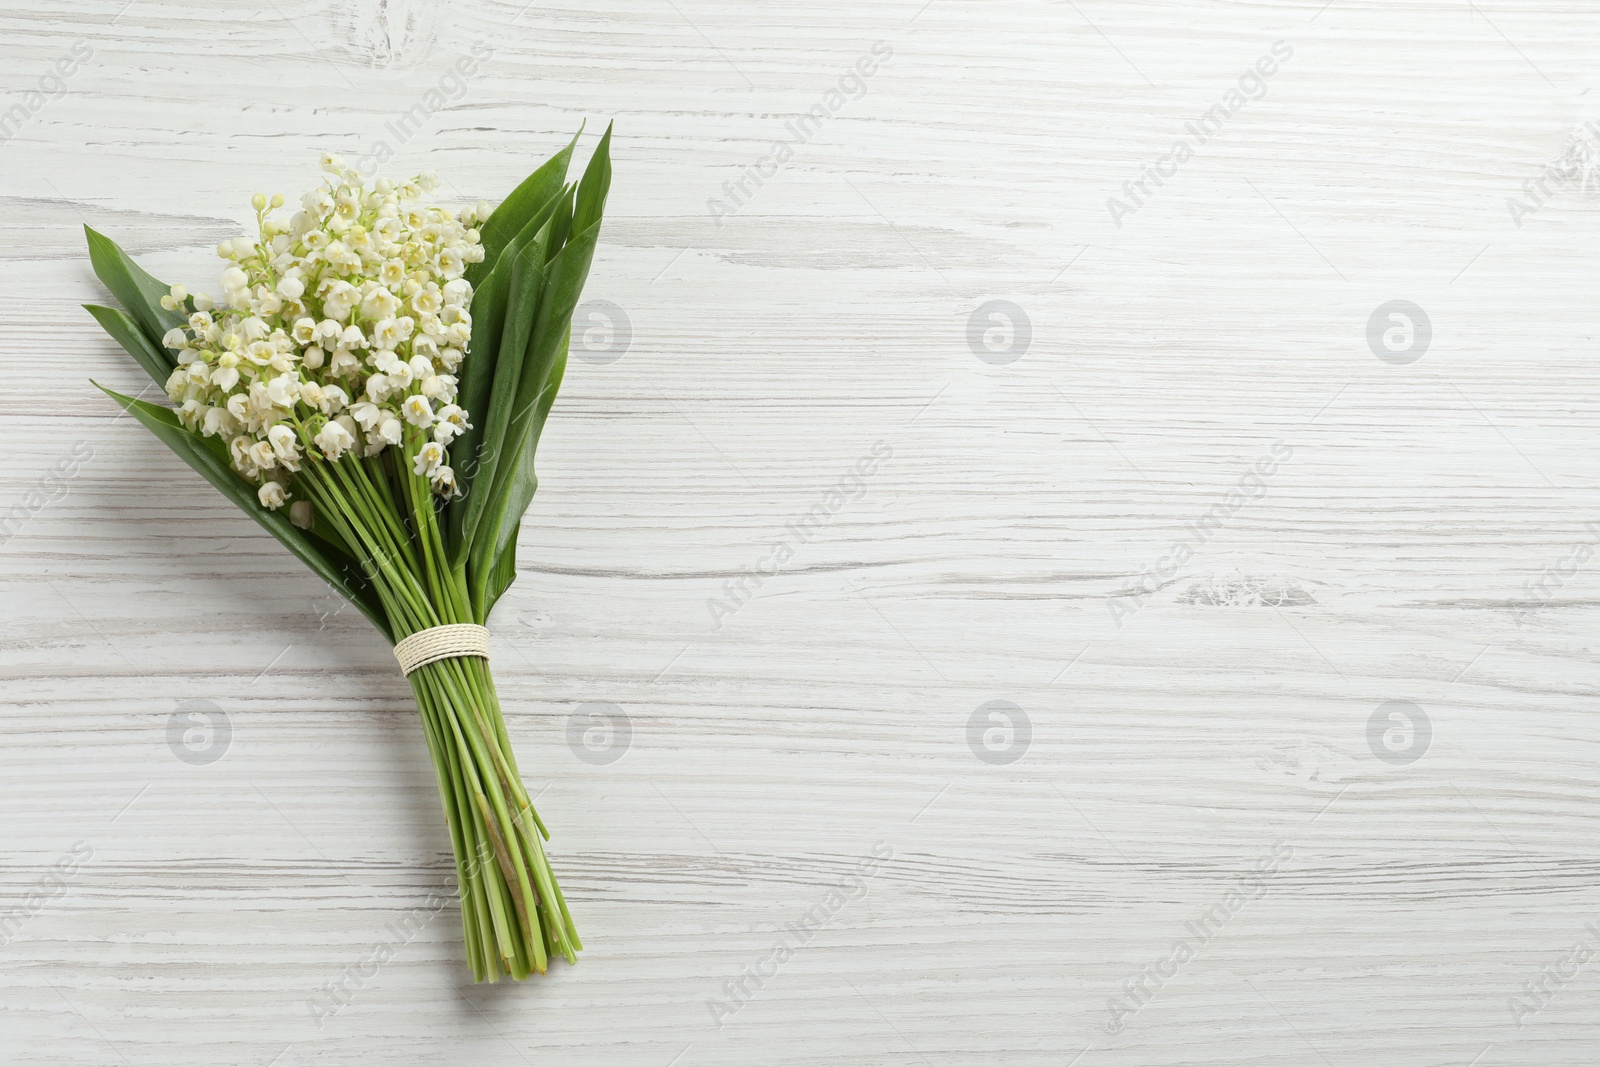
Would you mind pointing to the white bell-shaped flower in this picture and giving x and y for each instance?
(444, 482)
(284, 443)
(366, 413)
(390, 430)
(334, 439)
(283, 390)
(429, 458)
(417, 411)
(334, 400)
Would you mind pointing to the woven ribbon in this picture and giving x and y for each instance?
(442, 642)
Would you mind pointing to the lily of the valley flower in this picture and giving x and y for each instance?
(429, 458)
(417, 412)
(334, 440)
(272, 495)
(358, 294)
(452, 421)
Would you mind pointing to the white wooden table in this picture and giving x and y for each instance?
(1195, 830)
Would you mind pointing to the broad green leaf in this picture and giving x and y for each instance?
(526, 287)
(560, 224)
(477, 374)
(489, 306)
(509, 219)
(513, 483)
(204, 455)
(525, 481)
(595, 185)
(139, 293)
(495, 517)
(500, 579)
(565, 276)
(120, 325)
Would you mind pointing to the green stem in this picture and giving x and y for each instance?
(513, 914)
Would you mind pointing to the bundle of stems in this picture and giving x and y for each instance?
(512, 910)
(372, 392)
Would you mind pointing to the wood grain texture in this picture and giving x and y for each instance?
(1425, 536)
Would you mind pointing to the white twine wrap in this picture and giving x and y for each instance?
(442, 642)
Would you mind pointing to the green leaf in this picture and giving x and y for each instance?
(120, 325)
(209, 458)
(526, 287)
(494, 518)
(511, 217)
(477, 374)
(500, 579)
(139, 292)
(478, 371)
(565, 275)
(520, 366)
(524, 480)
(560, 225)
(502, 506)
(594, 187)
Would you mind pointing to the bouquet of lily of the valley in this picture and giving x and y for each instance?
(370, 387)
